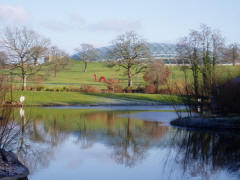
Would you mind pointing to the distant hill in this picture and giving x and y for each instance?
(158, 50)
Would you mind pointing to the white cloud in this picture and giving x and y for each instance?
(76, 22)
(71, 22)
(16, 14)
(115, 25)
(56, 26)
(77, 18)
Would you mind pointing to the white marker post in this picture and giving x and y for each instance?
(22, 99)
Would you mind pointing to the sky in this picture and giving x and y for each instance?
(69, 23)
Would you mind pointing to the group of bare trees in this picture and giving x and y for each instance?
(233, 52)
(203, 49)
(24, 51)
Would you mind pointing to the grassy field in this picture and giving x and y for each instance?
(75, 77)
(164, 98)
(57, 98)
(40, 98)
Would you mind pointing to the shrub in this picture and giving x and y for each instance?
(118, 89)
(90, 89)
(40, 88)
(49, 89)
(157, 74)
(128, 90)
(150, 89)
(228, 97)
(139, 89)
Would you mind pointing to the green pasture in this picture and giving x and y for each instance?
(75, 77)
(41, 98)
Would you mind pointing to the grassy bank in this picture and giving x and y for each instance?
(40, 98)
(164, 98)
(57, 98)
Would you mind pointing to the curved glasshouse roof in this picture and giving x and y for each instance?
(163, 50)
(159, 51)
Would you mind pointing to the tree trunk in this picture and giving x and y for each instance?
(129, 76)
(234, 61)
(35, 61)
(55, 71)
(234, 57)
(24, 77)
(214, 68)
(195, 71)
(85, 66)
(24, 81)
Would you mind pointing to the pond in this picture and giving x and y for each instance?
(121, 142)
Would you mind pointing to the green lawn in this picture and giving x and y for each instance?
(40, 98)
(75, 77)
(164, 98)
(57, 98)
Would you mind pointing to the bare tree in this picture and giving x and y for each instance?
(188, 50)
(130, 52)
(218, 45)
(3, 59)
(20, 45)
(233, 53)
(86, 53)
(57, 59)
(39, 51)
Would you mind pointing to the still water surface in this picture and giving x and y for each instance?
(116, 143)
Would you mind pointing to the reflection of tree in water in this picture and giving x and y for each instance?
(129, 149)
(205, 153)
(35, 146)
(129, 140)
(88, 127)
(85, 138)
(10, 130)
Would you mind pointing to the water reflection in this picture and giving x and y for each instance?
(129, 139)
(130, 143)
(204, 153)
(11, 135)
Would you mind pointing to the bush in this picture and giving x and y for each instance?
(90, 89)
(150, 89)
(49, 89)
(118, 89)
(156, 75)
(128, 90)
(39, 88)
(179, 88)
(228, 98)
